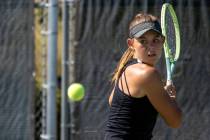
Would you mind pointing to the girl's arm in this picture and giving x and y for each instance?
(164, 103)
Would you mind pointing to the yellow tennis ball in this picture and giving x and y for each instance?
(76, 92)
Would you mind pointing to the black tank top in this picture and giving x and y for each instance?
(130, 118)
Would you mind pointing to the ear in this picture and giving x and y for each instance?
(130, 42)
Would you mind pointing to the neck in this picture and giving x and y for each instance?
(142, 62)
(139, 61)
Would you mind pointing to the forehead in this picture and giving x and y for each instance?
(150, 33)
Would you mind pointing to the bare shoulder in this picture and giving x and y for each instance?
(152, 76)
(143, 74)
(151, 79)
(150, 73)
(138, 76)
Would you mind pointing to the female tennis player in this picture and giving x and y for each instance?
(139, 94)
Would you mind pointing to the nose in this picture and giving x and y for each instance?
(151, 46)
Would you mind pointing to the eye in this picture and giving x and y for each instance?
(157, 40)
(143, 42)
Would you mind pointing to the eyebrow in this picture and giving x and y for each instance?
(142, 37)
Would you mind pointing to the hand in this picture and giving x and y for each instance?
(171, 90)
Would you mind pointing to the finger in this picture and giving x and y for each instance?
(173, 96)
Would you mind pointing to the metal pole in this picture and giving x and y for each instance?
(44, 68)
(64, 101)
(51, 70)
(72, 65)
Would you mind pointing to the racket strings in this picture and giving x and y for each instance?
(170, 35)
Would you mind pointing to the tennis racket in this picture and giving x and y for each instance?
(170, 29)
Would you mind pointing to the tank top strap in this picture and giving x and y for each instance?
(130, 62)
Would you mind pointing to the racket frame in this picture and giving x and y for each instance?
(170, 60)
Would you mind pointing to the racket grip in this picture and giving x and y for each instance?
(169, 82)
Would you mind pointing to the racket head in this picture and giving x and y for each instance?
(171, 31)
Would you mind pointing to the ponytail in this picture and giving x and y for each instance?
(128, 54)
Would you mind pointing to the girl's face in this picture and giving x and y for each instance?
(148, 47)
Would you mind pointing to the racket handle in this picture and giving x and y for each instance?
(169, 82)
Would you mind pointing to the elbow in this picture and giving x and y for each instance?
(175, 124)
(177, 121)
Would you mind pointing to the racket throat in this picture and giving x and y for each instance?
(169, 70)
